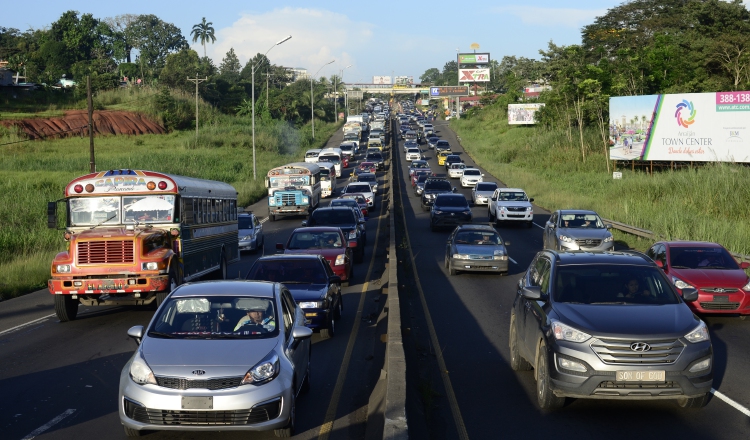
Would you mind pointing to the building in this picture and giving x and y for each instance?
(297, 73)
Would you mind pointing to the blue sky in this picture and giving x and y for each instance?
(376, 38)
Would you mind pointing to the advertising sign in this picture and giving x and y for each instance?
(473, 58)
(449, 91)
(381, 79)
(403, 80)
(354, 94)
(473, 75)
(522, 114)
(696, 127)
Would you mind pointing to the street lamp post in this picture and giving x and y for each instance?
(254, 68)
(336, 91)
(312, 104)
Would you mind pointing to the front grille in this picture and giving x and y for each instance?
(105, 252)
(481, 257)
(588, 242)
(177, 383)
(516, 209)
(286, 199)
(719, 306)
(257, 414)
(612, 351)
(623, 386)
(719, 289)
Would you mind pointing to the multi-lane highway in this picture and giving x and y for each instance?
(458, 359)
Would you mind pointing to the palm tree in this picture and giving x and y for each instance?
(203, 31)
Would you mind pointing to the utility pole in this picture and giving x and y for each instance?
(90, 102)
(266, 89)
(197, 81)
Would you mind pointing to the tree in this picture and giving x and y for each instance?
(450, 74)
(123, 41)
(185, 64)
(430, 76)
(203, 31)
(230, 67)
(155, 39)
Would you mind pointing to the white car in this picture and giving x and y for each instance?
(413, 154)
(456, 170)
(511, 205)
(311, 156)
(363, 188)
(471, 177)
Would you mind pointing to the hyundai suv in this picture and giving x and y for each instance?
(608, 325)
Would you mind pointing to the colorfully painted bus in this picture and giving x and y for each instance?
(293, 189)
(133, 236)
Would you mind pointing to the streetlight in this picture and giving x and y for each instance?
(254, 68)
(336, 92)
(312, 104)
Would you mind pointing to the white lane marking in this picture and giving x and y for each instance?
(540, 227)
(263, 220)
(26, 324)
(731, 402)
(512, 260)
(49, 424)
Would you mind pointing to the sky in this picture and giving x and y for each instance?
(381, 38)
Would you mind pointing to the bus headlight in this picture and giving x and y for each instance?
(62, 268)
(305, 199)
(271, 201)
(153, 265)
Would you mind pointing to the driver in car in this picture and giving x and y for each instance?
(254, 316)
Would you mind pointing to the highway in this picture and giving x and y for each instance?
(60, 380)
(458, 360)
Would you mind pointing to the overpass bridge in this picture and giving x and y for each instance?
(395, 89)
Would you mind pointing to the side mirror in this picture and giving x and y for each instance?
(608, 226)
(280, 246)
(300, 332)
(744, 265)
(659, 264)
(531, 200)
(551, 225)
(136, 332)
(334, 279)
(532, 292)
(454, 189)
(690, 294)
(363, 220)
(52, 215)
(507, 243)
(304, 222)
(494, 199)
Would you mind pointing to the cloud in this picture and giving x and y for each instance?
(318, 36)
(552, 17)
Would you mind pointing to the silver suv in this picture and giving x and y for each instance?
(608, 325)
(577, 230)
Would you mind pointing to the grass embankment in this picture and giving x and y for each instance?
(707, 202)
(36, 172)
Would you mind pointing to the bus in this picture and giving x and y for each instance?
(293, 189)
(133, 236)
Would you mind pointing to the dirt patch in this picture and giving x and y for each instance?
(75, 123)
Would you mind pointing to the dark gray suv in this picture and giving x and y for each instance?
(608, 325)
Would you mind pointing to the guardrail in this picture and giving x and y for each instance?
(645, 233)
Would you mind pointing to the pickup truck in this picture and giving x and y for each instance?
(510, 205)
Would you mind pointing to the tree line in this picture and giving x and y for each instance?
(156, 52)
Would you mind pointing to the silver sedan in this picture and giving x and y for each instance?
(476, 248)
(218, 356)
(577, 229)
(482, 192)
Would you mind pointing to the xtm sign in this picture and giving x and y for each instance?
(473, 75)
(449, 91)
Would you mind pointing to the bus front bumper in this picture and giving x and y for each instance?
(93, 286)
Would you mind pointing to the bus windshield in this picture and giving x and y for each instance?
(90, 211)
(285, 181)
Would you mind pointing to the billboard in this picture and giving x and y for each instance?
(696, 127)
(403, 80)
(449, 91)
(473, 58)
(381, 79)
(473, 75)
(522, 114)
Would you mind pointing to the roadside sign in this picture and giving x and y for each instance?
(617, 175)
(354, 94)
(449, 91)
(474, 58)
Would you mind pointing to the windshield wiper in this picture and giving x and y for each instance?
(104, 221)
(610, 302)
(295, 282)
(160, 334)
(680, 267)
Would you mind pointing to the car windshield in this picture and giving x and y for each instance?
(316, 240)
(292, 271)
(472, 173)
(332, 159)
(215, 317)
(364, 165)
(451, 201)
(486, 238)
(486, 187)
(701, 258)
(366, 178)
(437, 185)
(244, 222)
(412, 150)
(373, 156)
(587, 221)
(513, 196)
(311, 154)
(610, 284)
(420, 165)
(422, 178)
(364, 188)
(442, 143)
(345, 202)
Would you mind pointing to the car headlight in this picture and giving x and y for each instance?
(245, 238)
(699, 334)
(564, 332)
(265, 371)
(62, 268)
(746, 287)
(339, 260)
(500, 255)
(501, 208)
(565, 238)
(352, 234)
(140, 371)
(678, 283)
(529, 208)
(437, 211)
(608, 239)
(312, 304)
(461, 256)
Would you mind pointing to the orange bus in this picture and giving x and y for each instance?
(133, 236)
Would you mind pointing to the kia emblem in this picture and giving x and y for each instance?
(199, 372)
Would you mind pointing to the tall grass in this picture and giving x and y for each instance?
(36, 172)
(708, 202)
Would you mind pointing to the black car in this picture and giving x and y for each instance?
(340, 217)
(442, 145)
(449, 210)
(608, 325)
(432, 187)
(451, 159)
(312, 284)
(377, 159)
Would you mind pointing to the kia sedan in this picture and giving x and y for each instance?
(218, 356)
(608, 325)
(570, 229)
(476, 248)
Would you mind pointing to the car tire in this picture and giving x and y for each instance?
(517, 362)
(328, 333)
(693, 402)
(306, 381)
(130, 432)
(271, 217)
(339, 309)
(288, 430)
(66, 308)
(452, 270)
(545, 397)
(447, 262)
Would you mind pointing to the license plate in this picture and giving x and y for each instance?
(721, 298)
(641, 376)
(197, 402)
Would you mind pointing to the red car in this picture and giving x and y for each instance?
(722, 284)
(326, 241)
(344, 161)
(361, 201)
(368, 167)
(416, 175)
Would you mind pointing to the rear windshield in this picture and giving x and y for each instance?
(333, 217)
(609, 284)
(451, 201)
(352, 188)
(701, 257)
(438, 185)
(472, 173)
(441, 143)
(292, 271)
(486, 187)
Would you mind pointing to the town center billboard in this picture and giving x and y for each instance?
(523, 114)
(695, 127)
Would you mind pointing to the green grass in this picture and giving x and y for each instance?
(704, 203)
(36, 172)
